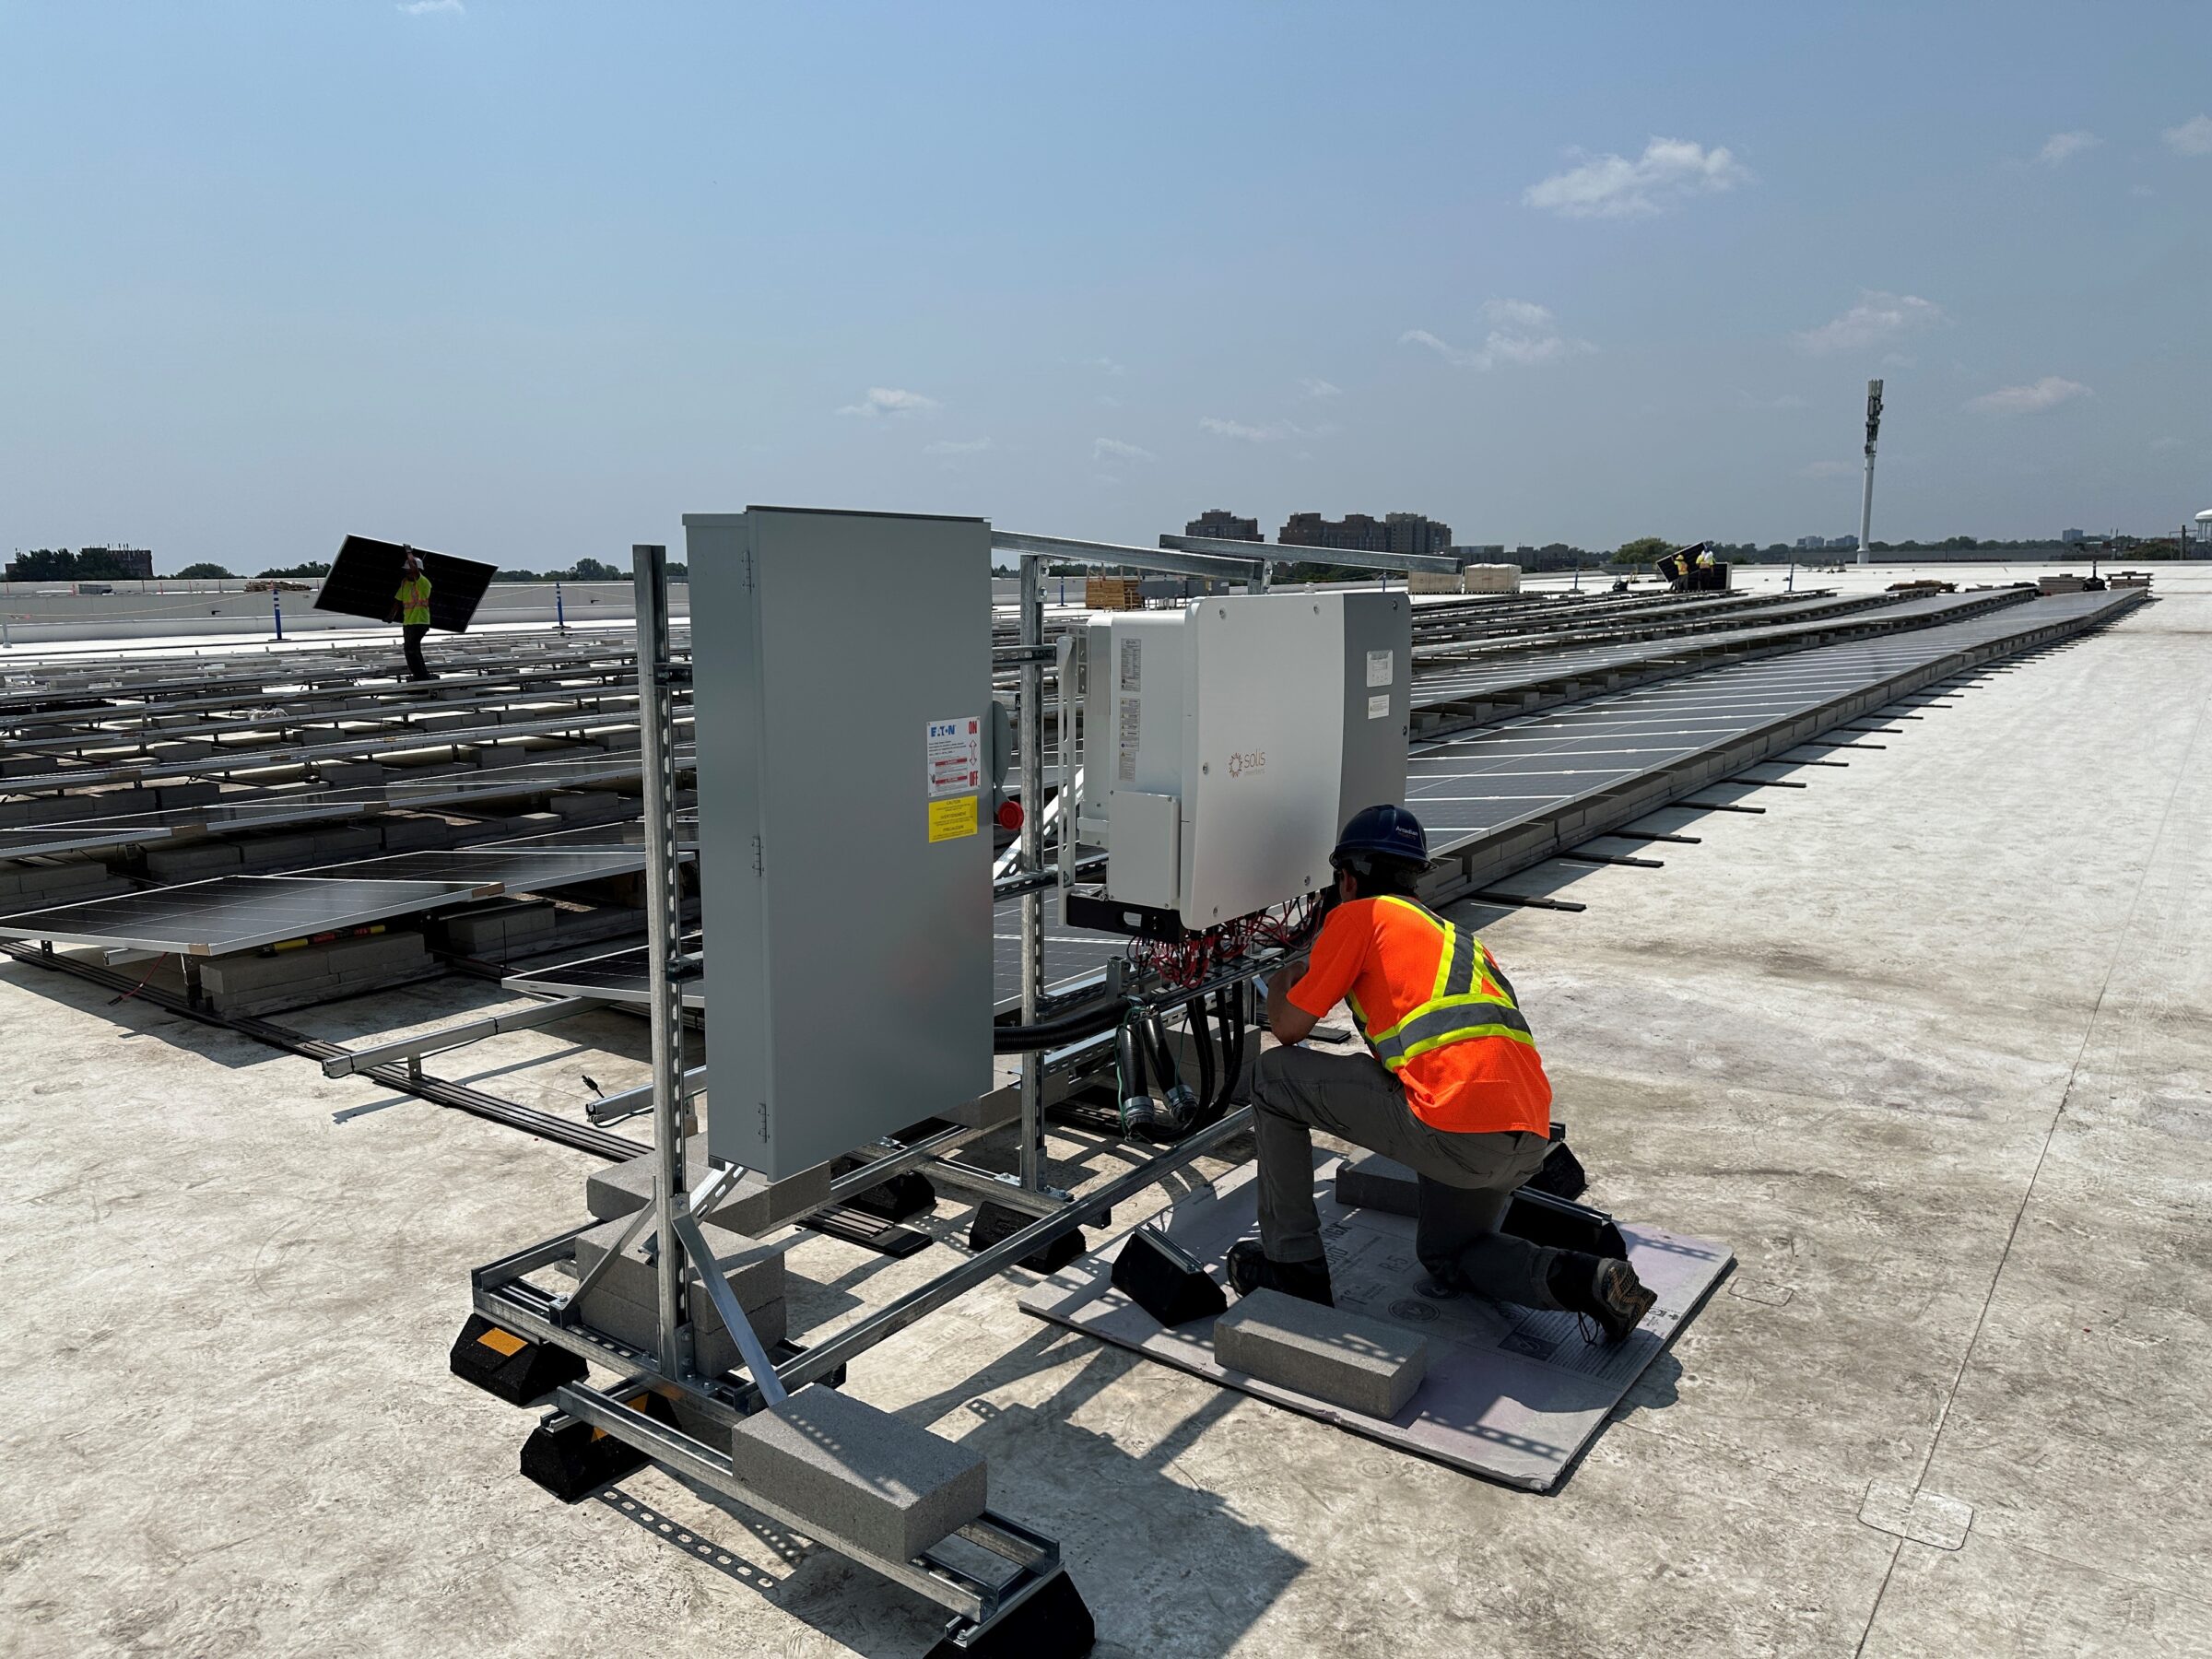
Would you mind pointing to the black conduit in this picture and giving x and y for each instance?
(1163, 1057)
(1055, 1033)
(1130, 1053)
(1232, 1046)
(1203, 1039)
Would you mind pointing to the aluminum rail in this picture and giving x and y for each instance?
(629, 1102)
(1234, 568)
(1035, 1559)
(825, 1357)
(460, 1036)
(1438, 563)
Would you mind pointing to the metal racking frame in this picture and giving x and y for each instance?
(502, 1293)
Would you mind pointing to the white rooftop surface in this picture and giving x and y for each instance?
(1927, 1044)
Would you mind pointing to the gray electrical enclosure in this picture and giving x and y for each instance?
(1378, 700)
(842, 669)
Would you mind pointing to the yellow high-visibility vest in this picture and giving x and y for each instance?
(415, 602)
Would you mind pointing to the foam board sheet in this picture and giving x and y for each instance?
(1512, 1394)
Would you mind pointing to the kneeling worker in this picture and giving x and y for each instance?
(1452, 1089)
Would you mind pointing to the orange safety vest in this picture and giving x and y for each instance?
(1438, 1012)
(415, 602)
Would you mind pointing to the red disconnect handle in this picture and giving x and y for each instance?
(1009, 815)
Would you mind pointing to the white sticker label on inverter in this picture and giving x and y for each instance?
(1132, 664)
(1378, 708)
(956, 756)
(1133, 718)
(1379, 667)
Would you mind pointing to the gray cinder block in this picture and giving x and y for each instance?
(712, 1346)
(862, 1475)
(1374, 1181)
(754, 1271)
(190, 863)
(1346, 1359)
(623, 1301)
(366, 959)
(753, 1205)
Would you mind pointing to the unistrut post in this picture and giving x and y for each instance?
(665, 935)
(1030, 747)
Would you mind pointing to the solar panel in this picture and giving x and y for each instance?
(1444, 680)
(228, 913)
(1463, 788)
(364, 582)
(619, 976)
(488, 871)
(61, 837)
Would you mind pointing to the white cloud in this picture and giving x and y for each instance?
(1104, 365)
(1788, 400)
(1314, 387)
(1876, 317)
(1113, 449)
(961, 446)
(2193, 137)
(1275, 431)
(1898, 360)
(1612, 186)
(892, 400)
(2061, 147)
(2045, 394)
(1827, 469)
(2141, 190)
(2169, 444)
(1521, 332)
(423, 8)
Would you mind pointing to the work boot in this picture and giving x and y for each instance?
(1611, 1294)
(1250, 1269)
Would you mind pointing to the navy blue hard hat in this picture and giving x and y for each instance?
(1382, 832)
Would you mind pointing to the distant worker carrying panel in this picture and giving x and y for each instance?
(411, 610)
(365, 578)
(1451, 1086)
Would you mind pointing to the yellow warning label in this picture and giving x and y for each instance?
(503, 1342)
(948, 820)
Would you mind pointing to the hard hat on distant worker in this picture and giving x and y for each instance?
(1380, 832)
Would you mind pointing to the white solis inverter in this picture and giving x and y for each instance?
(1226, 742)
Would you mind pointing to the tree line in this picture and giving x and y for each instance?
(583, 570)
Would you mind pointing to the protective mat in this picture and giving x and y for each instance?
(1512, 1394)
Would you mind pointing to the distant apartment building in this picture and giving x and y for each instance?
(1418, 533)
(1468, 553)
(1224, 525)
(2073, 537)
(1362, 533)
(1844, 544)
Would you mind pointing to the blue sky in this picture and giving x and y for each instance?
(528, 281)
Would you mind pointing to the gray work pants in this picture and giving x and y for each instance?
(1466, 1181)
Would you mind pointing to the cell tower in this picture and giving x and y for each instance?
(1873, 427)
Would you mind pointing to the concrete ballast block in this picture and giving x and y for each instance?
(1377, 1182)
(712, 1346)
(752, 1205)
(754, 1271)
(862, 1475)
(1344, 1358)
